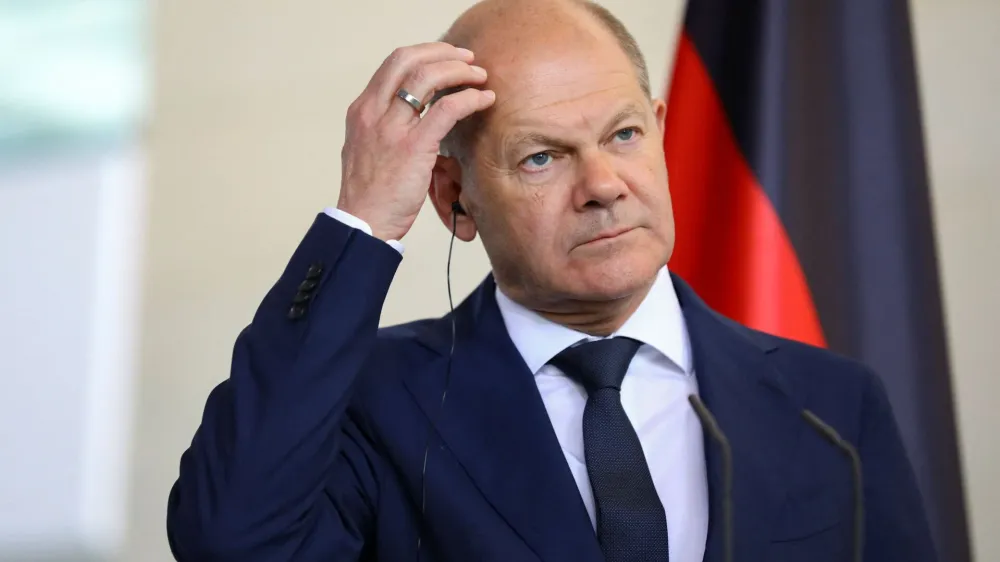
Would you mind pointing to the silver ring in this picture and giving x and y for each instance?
(410, 99)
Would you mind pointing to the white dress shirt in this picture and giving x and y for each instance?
(654, 394)
(655, 397)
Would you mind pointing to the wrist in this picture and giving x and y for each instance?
(361, 220)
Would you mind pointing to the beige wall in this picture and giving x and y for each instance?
(245, 139)
(958, 54)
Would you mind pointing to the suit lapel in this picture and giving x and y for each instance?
(496, 425)
(759, 416)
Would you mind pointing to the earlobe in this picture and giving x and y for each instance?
(463, 224)
(445, 190)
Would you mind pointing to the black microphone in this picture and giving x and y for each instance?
(712, 426)
(456, 209)
(833, 437)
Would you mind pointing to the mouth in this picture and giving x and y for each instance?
(608, 235)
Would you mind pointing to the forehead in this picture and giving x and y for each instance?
(566, 82)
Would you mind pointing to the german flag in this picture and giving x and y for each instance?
(796, 160)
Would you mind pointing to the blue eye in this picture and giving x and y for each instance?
(540, 159)
(625, 134)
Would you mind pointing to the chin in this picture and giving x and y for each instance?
(613, 278)
(614, 269)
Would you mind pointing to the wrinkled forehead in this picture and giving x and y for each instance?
(560, 86)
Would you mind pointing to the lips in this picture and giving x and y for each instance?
(609, 234)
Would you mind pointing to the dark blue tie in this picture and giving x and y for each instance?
(631, 523)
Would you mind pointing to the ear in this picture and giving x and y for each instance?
(660, 111)
(445, 190)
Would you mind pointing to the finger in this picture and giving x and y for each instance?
(424, 80)
(396, 66)
(451, 109)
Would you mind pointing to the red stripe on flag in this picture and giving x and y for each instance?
(731, 245)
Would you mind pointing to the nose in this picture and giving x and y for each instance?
(599, 184)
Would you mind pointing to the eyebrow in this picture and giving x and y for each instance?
(536, 138)
(631, 110)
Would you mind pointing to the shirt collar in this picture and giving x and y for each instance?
(658, 322)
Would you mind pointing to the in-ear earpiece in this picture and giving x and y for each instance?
(456, 208)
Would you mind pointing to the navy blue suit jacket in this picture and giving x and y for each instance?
(313, 449)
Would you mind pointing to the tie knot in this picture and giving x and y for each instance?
(598, 364)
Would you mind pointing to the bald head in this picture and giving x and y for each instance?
(504, 34)
(509, 23)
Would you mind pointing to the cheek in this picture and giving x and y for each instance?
(520, 218)
(508, 224)
(535, 236)
(529, 226)
(649, 183)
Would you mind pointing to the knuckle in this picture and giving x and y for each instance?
(354, 110)
(450, 104)
(360, 117)
(420, 76)
(360, 110)
(399, 54)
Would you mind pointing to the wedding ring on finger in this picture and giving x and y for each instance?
(410, 99)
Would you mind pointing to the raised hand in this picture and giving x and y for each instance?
(390, 150)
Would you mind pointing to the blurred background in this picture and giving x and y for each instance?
(159, 161)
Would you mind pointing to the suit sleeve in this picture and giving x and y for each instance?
(280, 469)
(896, 524)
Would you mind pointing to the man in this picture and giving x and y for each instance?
(548, 417)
